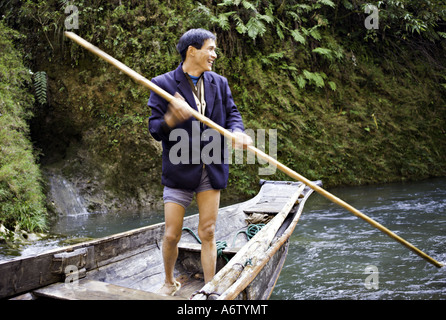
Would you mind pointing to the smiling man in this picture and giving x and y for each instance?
(208, 93)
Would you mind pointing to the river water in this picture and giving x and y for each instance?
(333, 254)
(330, 248)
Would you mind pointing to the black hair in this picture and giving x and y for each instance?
(194, 38)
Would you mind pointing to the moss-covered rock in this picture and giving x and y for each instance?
(21, 194)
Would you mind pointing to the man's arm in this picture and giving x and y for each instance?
(166, 116)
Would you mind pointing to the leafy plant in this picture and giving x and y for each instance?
(255, 24)
(21, 195)
(41, 86)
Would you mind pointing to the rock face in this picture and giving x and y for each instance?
(97, 154)
(79, 194)
(81, 181)
(65, 198)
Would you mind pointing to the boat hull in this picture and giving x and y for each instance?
(131, 262)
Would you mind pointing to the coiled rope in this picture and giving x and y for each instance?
(250, 232)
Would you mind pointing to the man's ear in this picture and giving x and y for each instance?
(191, 50)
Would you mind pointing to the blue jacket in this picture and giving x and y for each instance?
(220, 108)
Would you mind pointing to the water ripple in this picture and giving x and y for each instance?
(330, 248)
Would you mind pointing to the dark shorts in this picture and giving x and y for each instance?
(184, 197)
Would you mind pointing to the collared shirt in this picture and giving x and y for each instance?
(198, 90)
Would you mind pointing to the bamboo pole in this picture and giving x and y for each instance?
(291, 173)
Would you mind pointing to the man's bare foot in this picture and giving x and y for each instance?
(169, 289)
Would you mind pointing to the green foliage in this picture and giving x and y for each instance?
(398, 19)
(335, 136)
(41, 86)
(253, 27)
(21, 195)
(407, 17)
(351, 105)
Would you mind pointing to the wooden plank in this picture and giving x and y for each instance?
(26, 296)
(189, 285)
(192, 247)
(263, 284)
(267, 204)
(24, 274)
(96, 290)
(273, 198)
(248, 275)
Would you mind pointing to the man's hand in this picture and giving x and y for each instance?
(242, 140)
(177, 112)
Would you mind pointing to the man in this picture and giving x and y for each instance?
(207, 92)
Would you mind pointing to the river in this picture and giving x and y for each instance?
(330, 248)
(332, 255)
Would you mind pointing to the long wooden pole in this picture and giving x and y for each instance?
(291, 173)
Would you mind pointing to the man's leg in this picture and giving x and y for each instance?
(208, 203)
(174, 214)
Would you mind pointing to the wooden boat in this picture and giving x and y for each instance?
(129, 265)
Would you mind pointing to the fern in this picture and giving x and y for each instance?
(302, 8)
(223, 20)
(240, 26)
(298, 36)
(41, 87)
(301, 82)
(442, 34)
(332, 85)
(315, 77)
(273, 56)
(227, 3)
(314, 32)
(326, 53)
(327, 3)
(248, 5)
(255, 27)
(280, 32)
(249, 21)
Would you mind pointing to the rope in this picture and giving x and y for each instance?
(192, 233)
(250, 232)
(221, 244)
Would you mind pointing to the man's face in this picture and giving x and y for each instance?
(204, 58)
